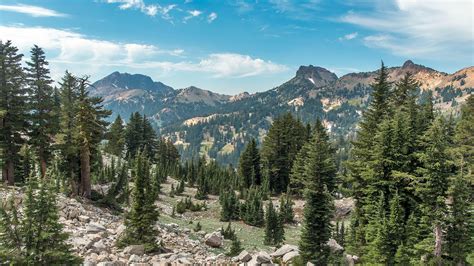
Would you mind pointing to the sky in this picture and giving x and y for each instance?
(242, 45)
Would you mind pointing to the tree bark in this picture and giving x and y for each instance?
(42, 165)
(438, 242)
(85, 172)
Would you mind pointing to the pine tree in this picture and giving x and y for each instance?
(286, 209)
(235, 247)
(320, 171)
(251, 211)
(38, 238)
(91, 126)
(249, 165)
(297, 175)
(143, 214)
(13, 104)
(42, 105)
(433, 183)
(229, 206)
(274, 232)
(116, 138)
(279, 149)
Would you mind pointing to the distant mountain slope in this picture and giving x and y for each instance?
(216, 125)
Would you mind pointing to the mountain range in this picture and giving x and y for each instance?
(215, 125)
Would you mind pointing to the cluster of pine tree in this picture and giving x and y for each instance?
(411, 176)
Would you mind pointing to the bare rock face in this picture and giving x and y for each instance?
(214, 239)
(334, 246)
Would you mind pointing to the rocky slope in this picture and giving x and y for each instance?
(216, 125)
(94, 230)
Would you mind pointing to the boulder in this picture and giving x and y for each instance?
(283, 250)
(334, 246)
(134, 258)
(214, 239)
(111, 263)
(262, 257)
(84, 218)
(99, 247)
(93, 228)
(351, 259)
(290, 255)
(244, 256)
(135, 250)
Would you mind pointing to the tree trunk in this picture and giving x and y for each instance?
(438, 242)
(4, 173)
(85, 172)
(10, 176)
(42, 165)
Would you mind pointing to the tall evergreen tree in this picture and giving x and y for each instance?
(42, 105)
(13, 104)
(143, 214)
(279, 149)
(274, 232)
(249, 166)
(320, 171)
(91, 126)
(116, 138)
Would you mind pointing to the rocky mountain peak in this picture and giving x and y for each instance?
(408, 64)
(318, 76)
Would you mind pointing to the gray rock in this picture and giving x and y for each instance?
(84, 218)
(263, 257)
(93, 228)
(134, 258)
(140, 264)
(290, 255)
(244, 256)
(214, 239)
(89, 263)
(111, 263)
(334, 246)
(135, 250)
(283, 250)
(99, 247)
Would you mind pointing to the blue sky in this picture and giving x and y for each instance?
(242, 45)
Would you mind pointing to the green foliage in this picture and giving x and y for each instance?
(249, 166)
(230, 206)
(143, 214)
(228, 232)
(140, 136)
(320, 171)
(286, 209)
(116, 138)
(188, 204)
(279, 149)
(274, 232)
(36, 239)
(235, 247)
(251, 211)
(198, 227)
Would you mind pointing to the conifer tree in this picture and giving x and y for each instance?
(249, 166)
(286, 209)
(251, 210)
(433, 183)
(279, 149)
(229, 206)
(143, 214)
(13, 104)
(116, 138)
(91, 126)
(320, 171)
(235, 247)
(274, 232)
(42, 105)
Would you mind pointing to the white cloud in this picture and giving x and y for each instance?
(82, 55)
(427, 29)
(34, 11)
(349, 36)
(150, 10)
(211, 17)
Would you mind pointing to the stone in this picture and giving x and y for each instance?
(244, 256)
(214, 240)
(93, 228)
(134, 258)
(99, 246)
(73, 213)
(334, 246)
(290, 255)
(263, 257)
(351, 259)
(135, 250)
(283, 250)
(140, 264)
(84, 218)
(111, 263)
(88, 262)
